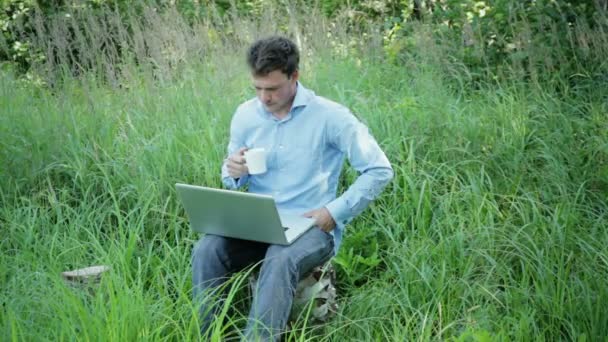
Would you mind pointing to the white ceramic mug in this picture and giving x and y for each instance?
(255, 160)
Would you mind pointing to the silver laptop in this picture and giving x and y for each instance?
(240, 215)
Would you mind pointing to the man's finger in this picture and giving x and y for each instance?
(237, 160)
(309, 214)
(230, 164)
(242, 150)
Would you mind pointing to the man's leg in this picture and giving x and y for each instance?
(282, 268)
(213, 259)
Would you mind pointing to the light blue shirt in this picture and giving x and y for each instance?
(305, 154)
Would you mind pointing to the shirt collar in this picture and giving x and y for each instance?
(302, 97)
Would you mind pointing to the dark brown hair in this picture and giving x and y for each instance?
(273, 53)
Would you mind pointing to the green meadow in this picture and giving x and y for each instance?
(493, 229)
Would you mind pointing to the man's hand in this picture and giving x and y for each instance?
(322, 218)
(235, 164)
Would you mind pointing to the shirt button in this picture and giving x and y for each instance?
(281, 146)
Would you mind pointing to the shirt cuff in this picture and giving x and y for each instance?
(339, 211)
(232, 183)
(242, 181)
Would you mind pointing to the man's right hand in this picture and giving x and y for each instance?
(236, 164)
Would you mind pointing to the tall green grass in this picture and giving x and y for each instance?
(494, 227)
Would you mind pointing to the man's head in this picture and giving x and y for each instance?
(273, 53)
(274, 67)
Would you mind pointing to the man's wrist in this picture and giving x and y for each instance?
(338, 211)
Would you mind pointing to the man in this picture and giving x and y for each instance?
(307, 138)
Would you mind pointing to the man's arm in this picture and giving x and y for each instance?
(365, 155)
(234, 172)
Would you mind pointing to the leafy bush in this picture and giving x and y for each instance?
(533, 38)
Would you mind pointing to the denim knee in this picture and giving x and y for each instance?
(209, 246)
(281, 256)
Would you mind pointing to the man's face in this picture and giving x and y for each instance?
(276, 91)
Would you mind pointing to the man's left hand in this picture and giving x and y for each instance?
(322, 218)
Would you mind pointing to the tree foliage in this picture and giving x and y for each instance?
(492, 33)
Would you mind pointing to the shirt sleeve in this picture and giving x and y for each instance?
(237, 140)
(353, 139)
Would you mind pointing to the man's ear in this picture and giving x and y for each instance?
(295, 75)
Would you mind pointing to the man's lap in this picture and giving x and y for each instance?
(312, 249)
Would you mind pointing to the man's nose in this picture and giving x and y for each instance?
(265, 95)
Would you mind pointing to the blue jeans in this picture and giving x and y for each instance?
(215, 257)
